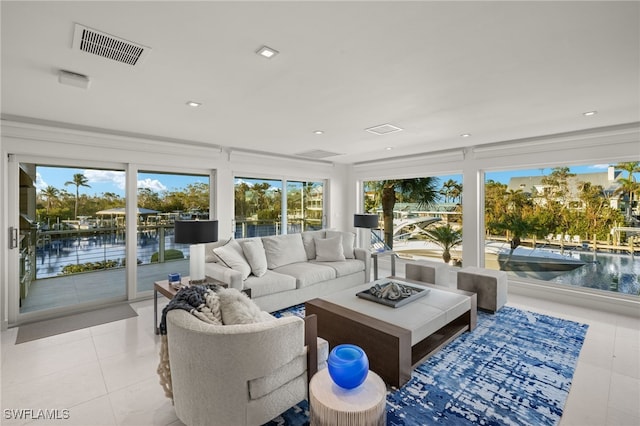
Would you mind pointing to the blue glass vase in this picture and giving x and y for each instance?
(348, 366)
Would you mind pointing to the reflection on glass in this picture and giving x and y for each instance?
(576, 225)
(419, 217)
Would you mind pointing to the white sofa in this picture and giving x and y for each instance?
(285, 270)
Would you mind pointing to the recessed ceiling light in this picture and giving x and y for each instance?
(389, 148)
(465, 135)
(267, 52)
(194, 104)
(589, 113)
(318, 132)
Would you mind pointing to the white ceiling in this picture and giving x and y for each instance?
(497, 70)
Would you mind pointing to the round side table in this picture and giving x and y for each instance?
(332, 405)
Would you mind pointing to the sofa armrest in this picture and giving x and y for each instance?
(365, 256)
(222, 273)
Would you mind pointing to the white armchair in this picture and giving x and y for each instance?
(243, 374)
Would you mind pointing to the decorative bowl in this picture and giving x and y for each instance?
(348, 366)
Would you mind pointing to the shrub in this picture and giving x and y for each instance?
(171, 254)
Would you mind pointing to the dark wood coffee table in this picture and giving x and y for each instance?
(393, 338)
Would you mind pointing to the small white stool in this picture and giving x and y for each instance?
(332, 405)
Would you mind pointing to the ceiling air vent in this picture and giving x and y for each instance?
(102, 44)
(383, 129)
(317, 154)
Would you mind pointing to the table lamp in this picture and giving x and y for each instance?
(196, 233)
(365, 221)
(369, 221)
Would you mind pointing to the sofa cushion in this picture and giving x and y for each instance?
(209, 255)
(283, 250)
(237, 308)
(345, 267)
(307, 273)
(329, 249)
(309, 243)
(271, 282)
(232, 256)
(254, 252)
(348, 241)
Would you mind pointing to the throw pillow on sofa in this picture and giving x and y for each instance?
(284, 250)
(308, 240)
(348, 242)
(232, 256)
(209, 255)
(329, 249)
(237, 308)
(254, 252)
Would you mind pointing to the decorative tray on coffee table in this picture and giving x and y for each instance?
(392, 293)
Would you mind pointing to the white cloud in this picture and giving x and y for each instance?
(153, 184)
(110, 176)
(40, 183)
(600, 166)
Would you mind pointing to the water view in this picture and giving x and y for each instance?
(104, 249)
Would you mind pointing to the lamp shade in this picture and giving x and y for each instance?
(196, 231)
(365, 220)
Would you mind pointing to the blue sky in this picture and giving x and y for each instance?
(503, 177)
(102, 181)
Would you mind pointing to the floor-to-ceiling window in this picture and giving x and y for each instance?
(258, 207)
(576, 226)
(163, 198)
(70, 253)
(419, 217)
(304, 206)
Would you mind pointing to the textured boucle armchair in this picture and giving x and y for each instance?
(243, 374)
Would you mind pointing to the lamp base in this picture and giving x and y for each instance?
(196, 264)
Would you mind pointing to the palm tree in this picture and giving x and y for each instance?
(628, 185)
(50, 193)
(446, 237)
(78, 180)
(448, 190)
(420, 190)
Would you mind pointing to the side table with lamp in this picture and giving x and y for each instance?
(195, 233)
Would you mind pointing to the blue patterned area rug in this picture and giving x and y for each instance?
(515, 368)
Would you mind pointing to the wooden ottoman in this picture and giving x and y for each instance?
(488, 284)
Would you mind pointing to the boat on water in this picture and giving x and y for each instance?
(540, 263)
(536, 260)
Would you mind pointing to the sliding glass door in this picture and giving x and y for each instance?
(164, 198)
(69, 253)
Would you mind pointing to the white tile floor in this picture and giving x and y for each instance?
(106, 375)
